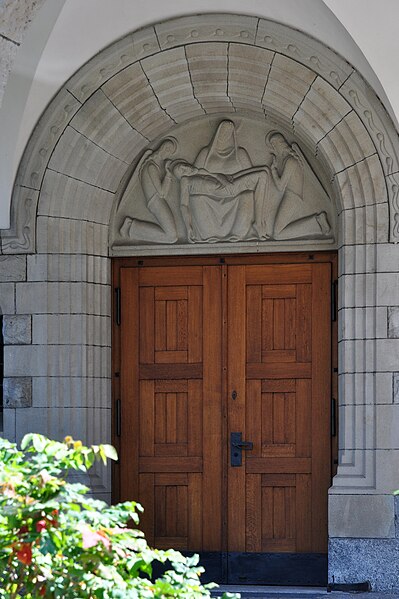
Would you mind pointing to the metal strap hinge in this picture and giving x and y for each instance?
(118, 418)
(334, 286)
(118, 305)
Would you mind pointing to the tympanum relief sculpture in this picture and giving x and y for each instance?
(221, 194)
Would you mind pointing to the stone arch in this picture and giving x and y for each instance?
(129, 95)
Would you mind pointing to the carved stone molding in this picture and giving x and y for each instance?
(205, 74)
(20, 239)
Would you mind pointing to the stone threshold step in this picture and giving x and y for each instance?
(269, 592)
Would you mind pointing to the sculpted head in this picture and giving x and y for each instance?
(225, 135)
(278, 142)
(167, 147)
(183, 169)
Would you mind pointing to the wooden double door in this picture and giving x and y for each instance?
(224, 389)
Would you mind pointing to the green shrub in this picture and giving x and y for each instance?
(57, 542)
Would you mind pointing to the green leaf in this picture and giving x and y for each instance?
(110, 452)
(27, 439)
(39, 442)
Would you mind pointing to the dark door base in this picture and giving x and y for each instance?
(285, 569)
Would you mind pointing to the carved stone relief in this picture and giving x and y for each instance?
(219, 181)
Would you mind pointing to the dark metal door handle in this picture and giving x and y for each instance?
(237, 446)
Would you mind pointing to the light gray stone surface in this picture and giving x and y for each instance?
(78, 156)
(17, 330)
(7, 298)
(73, 268)
(362, 323)
(12, 268)
(169, 76)
(395, 387)
(17, 392)
(71, 236)
(207, 27)
(393, 322)
(72, 329)
(286, 87)
(248, 70)
(346, 516)
(80, 298)
(364, 388)
(44, 139)
(82, 202)
(101, 122)
(135, 99)
(57, 360)
(322, 108)
(209, 66)
(71, 392)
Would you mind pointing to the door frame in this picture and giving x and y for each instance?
(215, 260)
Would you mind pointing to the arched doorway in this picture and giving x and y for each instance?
(81, 156)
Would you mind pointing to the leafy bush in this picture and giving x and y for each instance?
(57, 542)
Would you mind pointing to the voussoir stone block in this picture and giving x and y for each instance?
(100, 121)
(169, 77)
(375, 118)
(313, 54)
(248, 70)
(287, 85)
(65, 197)
(130, 91)
(110, 61)
(347, 143)
(322, 108)
(17, 329)
(71, 236)
(208, 65)
(17, 392)
(78, 156)
(44, 139)
(362, 184)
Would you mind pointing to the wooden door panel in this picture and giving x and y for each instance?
(176, 399)
(287, 362)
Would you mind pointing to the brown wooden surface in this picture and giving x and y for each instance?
(260, 327)
(281, 314)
